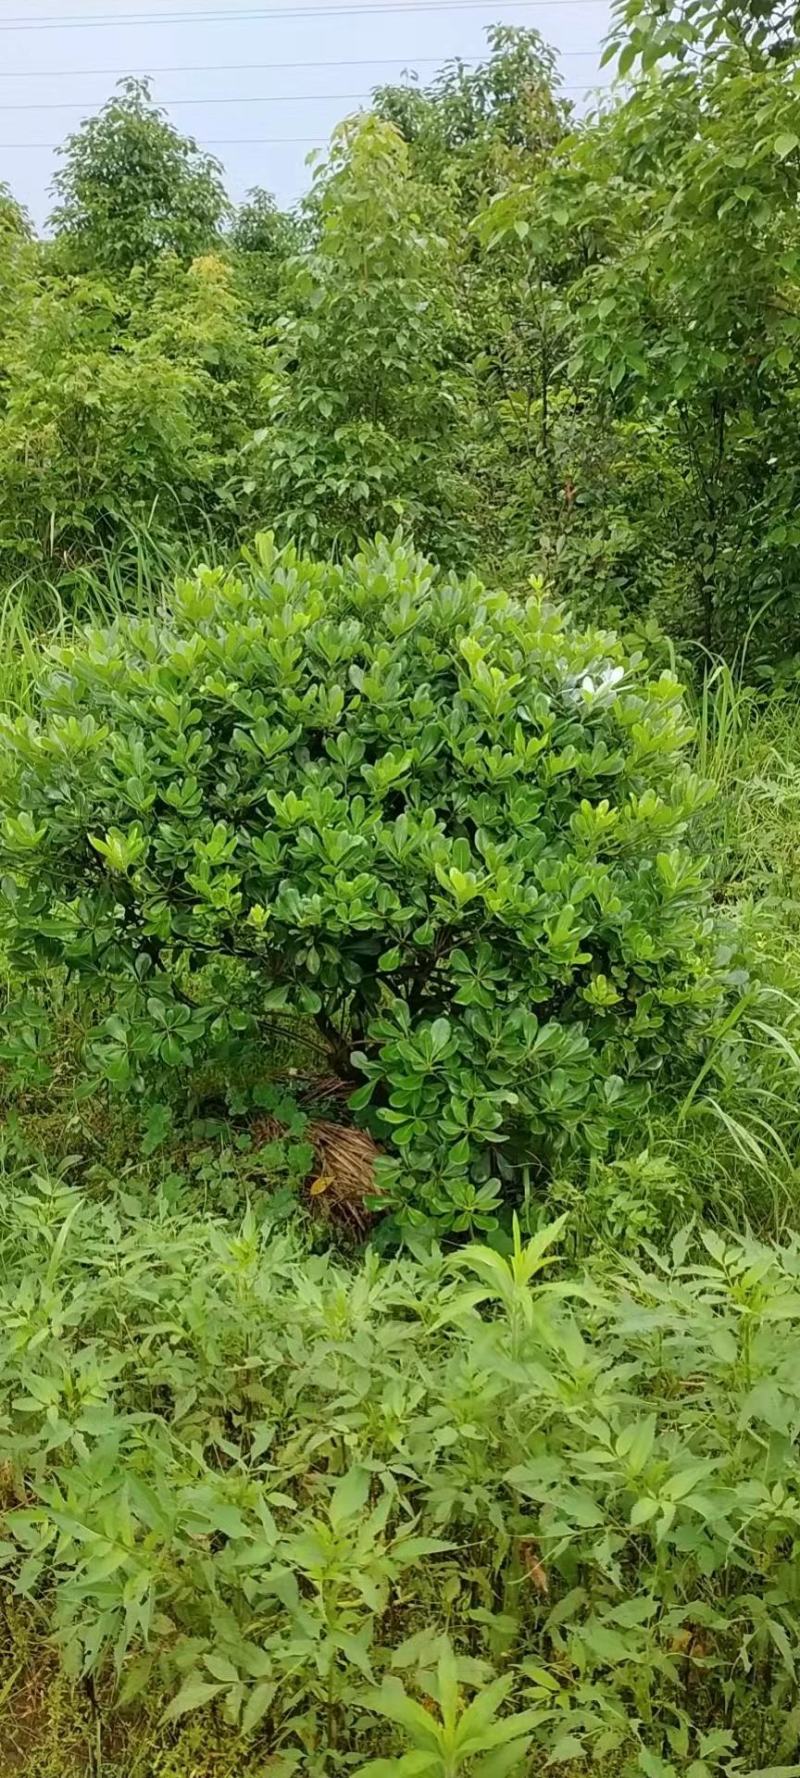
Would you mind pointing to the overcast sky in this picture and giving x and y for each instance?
(259, 86)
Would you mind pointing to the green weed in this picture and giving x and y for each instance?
(254, 1481)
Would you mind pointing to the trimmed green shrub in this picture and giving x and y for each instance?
(439, 821)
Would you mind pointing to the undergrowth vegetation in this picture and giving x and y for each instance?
(563, 1511)
(268, 1501)
(399, 973)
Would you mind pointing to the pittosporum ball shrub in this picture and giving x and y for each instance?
(441, 822)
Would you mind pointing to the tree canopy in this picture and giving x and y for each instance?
(546, 344)
(131, 187)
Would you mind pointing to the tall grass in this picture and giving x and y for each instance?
(739, 1125)
(132, 575)
(36, 610)
(748, 747)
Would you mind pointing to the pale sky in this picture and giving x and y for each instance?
(259, 86)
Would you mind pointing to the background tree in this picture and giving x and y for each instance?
(122, 410)
(472, 132)
(132, 187)
(694, 327)
(545, 345)
(764, 32)
(357, 399)
(669, 226)
(262, 238)
(14, 223)
(475, 128)
(260, 227)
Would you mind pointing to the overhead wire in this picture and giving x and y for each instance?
(259, 67)
(89, 22)
(208, 142)
(254, 99)
(397, 7)
(234, 99)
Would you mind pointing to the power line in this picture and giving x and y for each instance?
(86, 22)
(236, 99)
(207, 142)
(260, 67)
(199, 99)
(212, 142)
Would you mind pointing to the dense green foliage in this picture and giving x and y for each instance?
(131, 189)
(356, 407)
(474, 129)
(256, 1477)
(439, 819)
(116, 411)
(683, 326)
(399, 972)
(543, 345)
